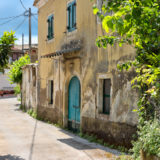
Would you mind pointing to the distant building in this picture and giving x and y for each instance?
(34, 51)
(15, 54)
(5, 85)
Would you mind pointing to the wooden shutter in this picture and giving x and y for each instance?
(106, 95)
(51, 26)
(48, 28)
(74, 15)
(51, 92)
(71, 10)
(69, 17)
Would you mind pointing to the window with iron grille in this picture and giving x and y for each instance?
(50, 22)
(71, 11)
(106, 96)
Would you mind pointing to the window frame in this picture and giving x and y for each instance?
(71, 16)
(99, 108)
(50, 92)
(106, 96)
(50, 27)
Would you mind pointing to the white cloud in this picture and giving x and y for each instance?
(26, 39)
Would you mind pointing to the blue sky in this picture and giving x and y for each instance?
(10, 8)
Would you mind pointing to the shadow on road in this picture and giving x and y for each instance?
(10, 157)
(75, 144)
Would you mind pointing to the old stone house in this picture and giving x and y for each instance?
(79, 85)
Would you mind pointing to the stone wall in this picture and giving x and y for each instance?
(29, 86)
(111, 132)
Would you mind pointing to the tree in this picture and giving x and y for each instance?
(15, 73)
(6, 43)
(136, 22)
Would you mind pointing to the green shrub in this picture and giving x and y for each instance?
(32, 113)
(149, 139)
(15, 73)
(17, 90)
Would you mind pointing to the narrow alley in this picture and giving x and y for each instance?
(24, 138)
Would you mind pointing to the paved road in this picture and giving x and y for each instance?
(24, 138)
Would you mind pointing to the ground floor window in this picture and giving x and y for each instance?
(50, 91)
(106, 95)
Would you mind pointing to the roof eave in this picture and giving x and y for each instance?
(35, 3)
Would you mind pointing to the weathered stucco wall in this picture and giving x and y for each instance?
(29, 86)
(90, 65)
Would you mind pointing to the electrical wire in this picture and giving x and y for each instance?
(35, 14)
(23, 5)
(11, 19)
(20, 24)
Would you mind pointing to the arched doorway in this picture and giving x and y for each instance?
(74, 104)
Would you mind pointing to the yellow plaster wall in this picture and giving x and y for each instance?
(86, 64)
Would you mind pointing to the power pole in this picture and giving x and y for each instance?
(23, 44)
(30, 40)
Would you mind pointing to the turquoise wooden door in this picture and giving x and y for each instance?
(74, 102)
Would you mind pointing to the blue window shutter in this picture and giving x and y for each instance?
(71, 16)
(50, 27)
(69, 12)
(48, 21)
(51, 19)
(74, 15)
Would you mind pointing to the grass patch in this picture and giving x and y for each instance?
(93, 138)
(124, 157)
(32, 113)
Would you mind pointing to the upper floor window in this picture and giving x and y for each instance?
(50, 27)
(71, 10)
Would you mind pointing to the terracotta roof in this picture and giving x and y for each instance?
(16, 50)
(26, 46)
